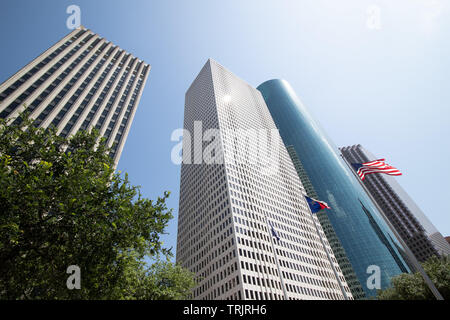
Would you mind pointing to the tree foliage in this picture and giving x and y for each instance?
(62, 204)
(413, 287)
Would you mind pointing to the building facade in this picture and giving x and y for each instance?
(440, 243)
(81, 82)
(368, 243)
(244, 227)
(336, 246)
(406, 217)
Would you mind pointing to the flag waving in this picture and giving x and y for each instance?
(316, 205)
(375, 166)
(274, 233)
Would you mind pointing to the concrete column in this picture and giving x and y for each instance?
(125, 107)
(87, 109)
(130, 119)
(113, 86)
(47, 82)
(108, 117)
(63, 83)
(38, 60)
(14, 95)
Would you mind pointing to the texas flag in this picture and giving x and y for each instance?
(316, 205)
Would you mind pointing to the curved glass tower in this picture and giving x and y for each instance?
(368, 242)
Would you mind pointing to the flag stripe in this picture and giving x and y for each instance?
(362, 176)
(376, 166)
(373, 162)
(392, 170)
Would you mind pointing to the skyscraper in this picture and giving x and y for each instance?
(244, 227)
(368, 243)
(336, 246)
(440, 243)
(420, 235)
(81, 82)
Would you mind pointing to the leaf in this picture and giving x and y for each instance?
(96, 219)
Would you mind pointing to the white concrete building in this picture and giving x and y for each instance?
(80, 82)
(238, 189)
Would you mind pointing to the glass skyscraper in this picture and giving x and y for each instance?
(322, 215)
(366, 239)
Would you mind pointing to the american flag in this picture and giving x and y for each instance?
(375, 166)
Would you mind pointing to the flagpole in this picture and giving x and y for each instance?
(409, 253)
(329, 257)
(276, 260)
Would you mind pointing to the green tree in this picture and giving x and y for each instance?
(413, 287)
(62, 204)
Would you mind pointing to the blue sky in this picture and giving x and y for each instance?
(386, 88)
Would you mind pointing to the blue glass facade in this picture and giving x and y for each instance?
(363, 233)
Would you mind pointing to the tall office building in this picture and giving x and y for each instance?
(419, 234)
(244, 227)
(367, 241)
(81, 82)
(336, 246)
